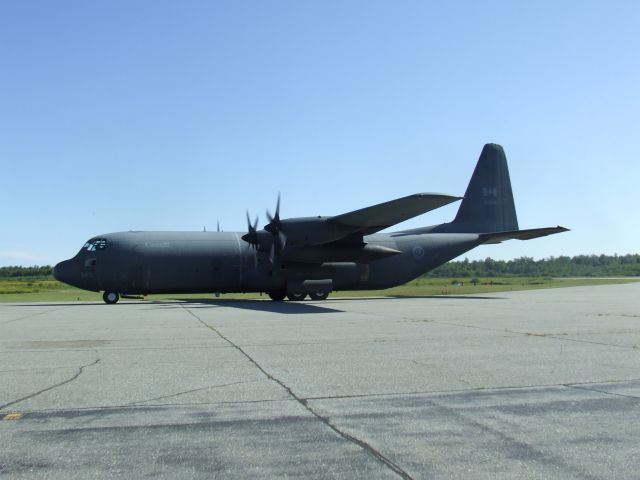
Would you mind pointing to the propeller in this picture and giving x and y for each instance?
(252, 237)
(275, 228)
(257, 239)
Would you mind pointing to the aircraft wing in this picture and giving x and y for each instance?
(498, 237)
(378, 217)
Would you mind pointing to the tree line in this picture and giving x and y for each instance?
(578, 266)
(16, 271)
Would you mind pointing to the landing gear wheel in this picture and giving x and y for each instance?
(297, 297)
(110, 297)
(318, 296)
(276, 296)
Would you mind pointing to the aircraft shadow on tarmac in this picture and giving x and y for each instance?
(287, 308)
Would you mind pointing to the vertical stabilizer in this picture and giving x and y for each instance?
(488, 204)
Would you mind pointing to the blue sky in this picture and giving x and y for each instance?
(155, 115)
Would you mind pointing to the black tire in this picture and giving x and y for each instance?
(110, 297)
(276, 296)
(297, 297)
(318, 296)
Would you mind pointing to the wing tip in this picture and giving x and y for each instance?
(435, 195)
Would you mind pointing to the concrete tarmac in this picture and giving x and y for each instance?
(536, 384)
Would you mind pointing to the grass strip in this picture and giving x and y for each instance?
(43, 289)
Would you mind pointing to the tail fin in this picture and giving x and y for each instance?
(488, 202)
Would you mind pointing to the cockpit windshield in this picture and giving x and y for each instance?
(95, 244)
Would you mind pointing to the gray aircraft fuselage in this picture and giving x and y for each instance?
(200, 262)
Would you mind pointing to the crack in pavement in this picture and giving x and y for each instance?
(190, 391)
(554, 336)
(69, 380)
(33, 315)
(379, 456)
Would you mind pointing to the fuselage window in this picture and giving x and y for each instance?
(95, 244)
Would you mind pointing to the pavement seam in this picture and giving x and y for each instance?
(303, 402)
(604, 392)
(473, 390)
(69, 380)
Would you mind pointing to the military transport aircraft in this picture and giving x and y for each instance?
(313, 256)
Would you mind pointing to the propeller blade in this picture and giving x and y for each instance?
(252, 235)
(283, 238)
(275, 218)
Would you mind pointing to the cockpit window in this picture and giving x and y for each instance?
(95, 244)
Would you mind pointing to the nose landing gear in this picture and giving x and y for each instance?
(110, 297)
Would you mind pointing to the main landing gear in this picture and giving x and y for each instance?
(297, 297)
(318, 296)
(279, 296)
(110, 297)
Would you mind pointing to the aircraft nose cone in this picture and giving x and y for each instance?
(62, 271)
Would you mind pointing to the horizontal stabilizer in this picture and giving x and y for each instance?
(378, 217)
(497, 237)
